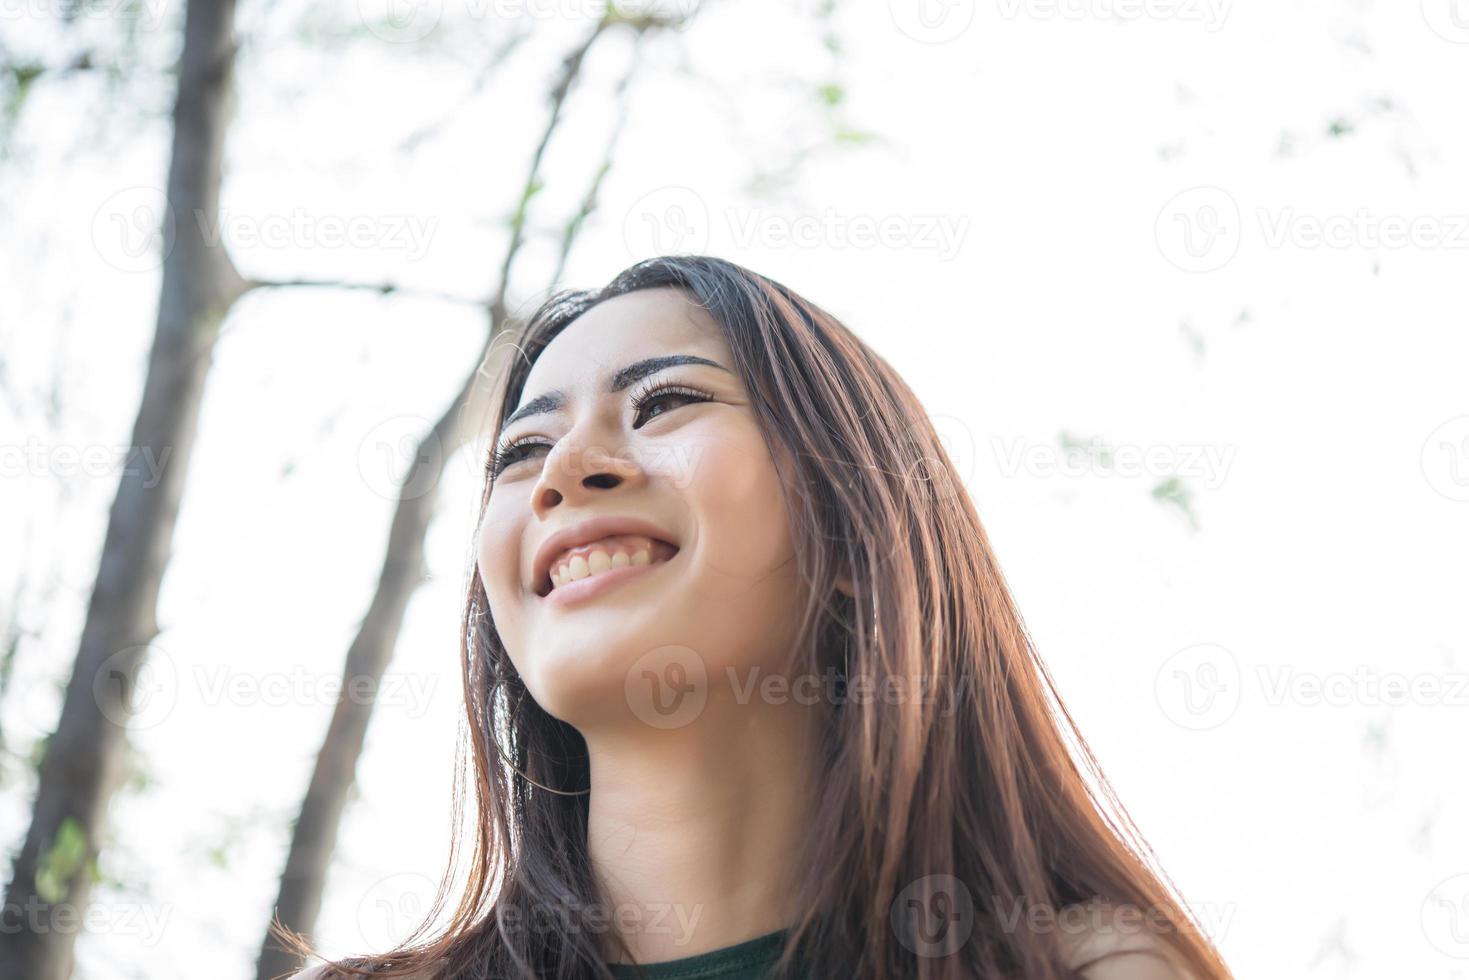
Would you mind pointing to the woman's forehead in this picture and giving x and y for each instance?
(616, 332)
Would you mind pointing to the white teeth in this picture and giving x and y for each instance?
(594, 562)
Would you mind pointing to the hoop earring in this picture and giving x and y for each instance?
(506, 759)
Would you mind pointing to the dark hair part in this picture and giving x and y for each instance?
(987, 798)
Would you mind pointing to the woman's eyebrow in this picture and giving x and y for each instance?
(636, 371)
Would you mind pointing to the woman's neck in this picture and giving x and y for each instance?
(694, 833)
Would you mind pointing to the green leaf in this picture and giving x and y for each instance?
(62, 861)
(1173, 492)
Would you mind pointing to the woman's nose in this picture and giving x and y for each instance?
(574, 474)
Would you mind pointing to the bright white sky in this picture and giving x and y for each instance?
(1043, 275)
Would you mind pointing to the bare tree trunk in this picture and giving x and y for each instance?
(315, 833)
(53, 872)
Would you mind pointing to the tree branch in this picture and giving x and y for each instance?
(381, 288)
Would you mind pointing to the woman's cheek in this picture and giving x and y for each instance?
(499, 554)
(745, 596)
(737, 496)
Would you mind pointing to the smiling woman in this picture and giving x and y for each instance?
(747, 694)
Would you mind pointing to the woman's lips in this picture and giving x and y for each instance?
(594, 568)
(608, 556)
(627, 533)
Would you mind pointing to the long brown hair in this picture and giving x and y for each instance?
(982, 802)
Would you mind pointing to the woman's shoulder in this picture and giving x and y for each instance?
(1105, 943)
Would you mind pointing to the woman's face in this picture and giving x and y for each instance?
(635, 536)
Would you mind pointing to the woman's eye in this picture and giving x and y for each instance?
(512, 454)
(654, 403)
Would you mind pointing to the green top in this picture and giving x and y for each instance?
(749, 960)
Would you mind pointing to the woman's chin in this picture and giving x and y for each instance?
(578, 661)
(583, 684)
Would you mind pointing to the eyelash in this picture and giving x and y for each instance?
(503, 456)
(651, 391)
(514, 451)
